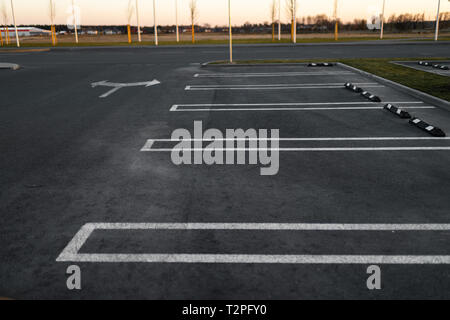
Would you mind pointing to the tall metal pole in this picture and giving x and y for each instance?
(176, 18)
(154, 19)
(336, 27)
(231, 31)
(75, 21)
(436, 36)
(138, 23)
(279, 20)
(295, 21)
(382, 20)
(15, 26)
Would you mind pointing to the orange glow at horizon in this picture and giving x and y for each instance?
(213, 12)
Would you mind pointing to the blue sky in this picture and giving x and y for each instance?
(213, 12)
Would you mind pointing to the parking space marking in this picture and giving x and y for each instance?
(151, 141)
(275, 86)
(287, 107)
(71, 252)
(270, 74)
(347, 149)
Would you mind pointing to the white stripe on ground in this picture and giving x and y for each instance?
(294, 104)
(254, 259)
(201, 88)
(272, 226)
(280, 85)
(275, 74)
(151, 141)
(300, 149)
(110, 92)
(70, 253)
(175, 109)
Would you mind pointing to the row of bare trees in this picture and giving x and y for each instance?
(409, 21)
(5, 23)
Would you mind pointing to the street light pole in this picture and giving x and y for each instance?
(295, 21)
(75, 21)
(154, 19)
(336, 27)
(15, 25)
(231, 31)
(436, 36)
(279, 20)
(138, 23)
(176, 18)
(382, 20)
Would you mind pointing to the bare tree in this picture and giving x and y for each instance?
(273, 16)
(52, 14)
(194, 16)
(5, 20)
(130, 13)
(291, 11)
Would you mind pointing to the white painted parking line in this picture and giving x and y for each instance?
(347, 149)
(71, 252)
(273, 87)
(150, 142)
(291, 104)
(271, 74)
(281, 85)
(255, 259)
(184, 108)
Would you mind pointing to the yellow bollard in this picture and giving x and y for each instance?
(1, 37)
(193, 34)
(273, 31)
(7, 35)
(53, 35)
(336, 31)
(129, 33)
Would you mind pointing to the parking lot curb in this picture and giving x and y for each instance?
(11, 66)
(436, 132)
(397, 111)
(416, 93)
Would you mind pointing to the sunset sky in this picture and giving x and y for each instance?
(214, 12)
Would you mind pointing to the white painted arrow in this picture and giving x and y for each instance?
(117, 86)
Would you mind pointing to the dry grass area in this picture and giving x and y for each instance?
(206, 37)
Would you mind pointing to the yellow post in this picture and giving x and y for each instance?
(336, 31)
(336, 28)
(193, 34)
(1, 37)
(129, 33)
(53, 35)
(7, 35)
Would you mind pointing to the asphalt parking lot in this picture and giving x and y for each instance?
(428, 68)
(356, 186)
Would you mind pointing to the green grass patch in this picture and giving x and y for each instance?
(436, 85)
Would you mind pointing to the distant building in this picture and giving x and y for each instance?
(25, 32)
